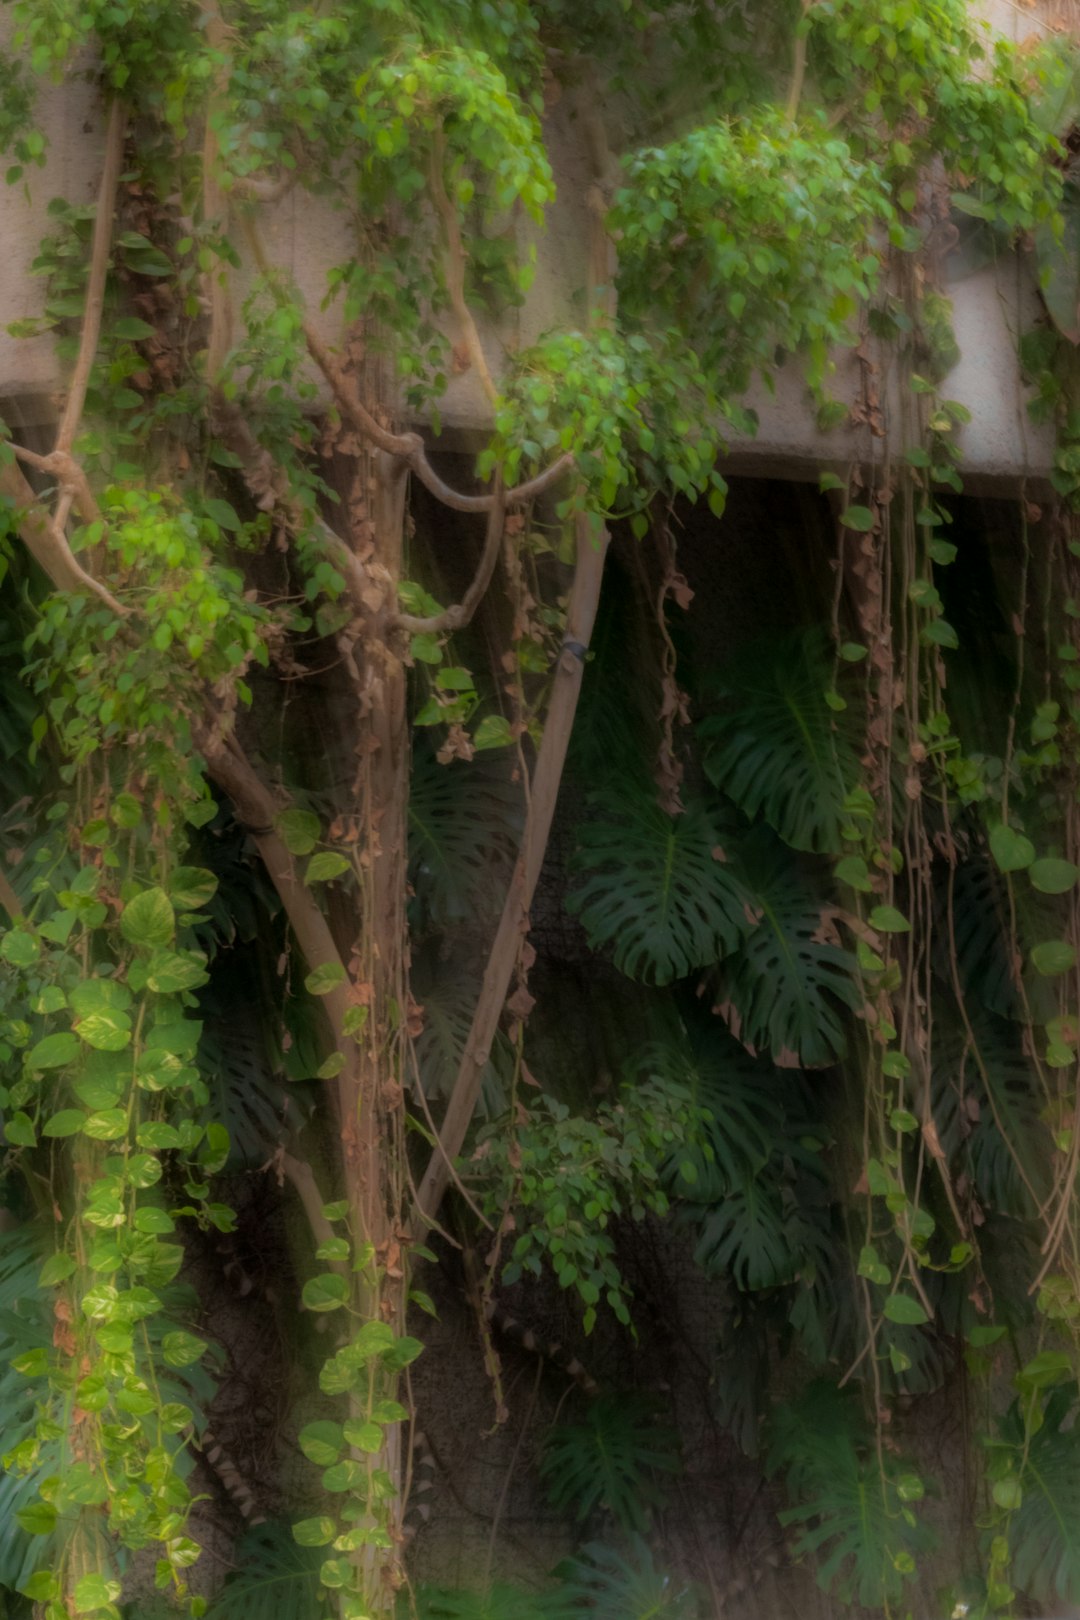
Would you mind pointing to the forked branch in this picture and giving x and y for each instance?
(407, 447)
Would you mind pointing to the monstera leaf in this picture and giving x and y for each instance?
(448, 998)
(753, 1234)
(849, 1508)
(1044, 1532)
(610, 1461)
(274, 1578)
(499, 1602)
(785, 989)
(464, 820)
(609, 1585)
(656, 890)
(740, 1099)
(778, 750)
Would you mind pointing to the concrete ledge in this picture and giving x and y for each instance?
(307, 236)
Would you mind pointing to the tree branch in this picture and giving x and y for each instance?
(95, 288)
(798, 70)
(408, 447)
(215, 206)
(47, 543)
(458, 616)
(257, 810)
(302, 1176)
(10, 900)
(514, 922)
(455, 267)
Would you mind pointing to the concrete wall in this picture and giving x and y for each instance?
(310, 235)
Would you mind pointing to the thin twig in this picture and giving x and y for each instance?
(458, 616)
(95, 289)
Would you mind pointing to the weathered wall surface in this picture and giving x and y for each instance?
(308, 236)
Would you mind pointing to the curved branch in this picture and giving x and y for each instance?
(95, 288)
(455, 268)
(48, 544)
(408, 447)
(458, 616)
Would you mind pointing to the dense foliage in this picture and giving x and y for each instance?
(292, 850)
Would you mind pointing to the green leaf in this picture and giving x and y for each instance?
(1008, 1493)
(106, 1126)
(1053, 876)
(300, 830)
(780, 749)
(887, 920)
(54, 1052)
(785, 988)
(95, 1592)
(19, 1130)
(315, 1532)
(37, 1518)
(615, 1459)
(872, 1267)
(192, 887)
(941, 633)
(364, 1436)
(854, 871)
(905, 1309)
(493, 732)
(130, 328)
(57, 1268)
(221, 513)
(105, 1031)
(1012, 852)
(1049, 1367)
(1053, 956)
(148, 920)
(655, 889)
(99, 995)
(325, 978)
(321, 1442)
(170, 971)
(326, 865)
(20, 948)
(66, 1123)
(182, 1349)
(327, 1292)
(859, 518)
